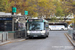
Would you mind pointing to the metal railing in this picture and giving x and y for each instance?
(71, 33)
(19, 34)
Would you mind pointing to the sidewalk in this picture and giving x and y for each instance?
(70, 39)
(11, 41)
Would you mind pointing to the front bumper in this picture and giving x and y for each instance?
(36, 35)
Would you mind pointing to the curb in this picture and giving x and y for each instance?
(22, 40)
(3, 43)
(70, 39)
(12, 41)
(17, 40)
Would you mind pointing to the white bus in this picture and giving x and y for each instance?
(37, 28)
(58, 26)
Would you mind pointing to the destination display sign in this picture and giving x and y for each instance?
(35, 20)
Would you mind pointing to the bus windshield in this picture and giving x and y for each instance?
(35, 26)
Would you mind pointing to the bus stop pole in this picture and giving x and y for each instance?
(25, 34)
(12, 24)
(25, 29)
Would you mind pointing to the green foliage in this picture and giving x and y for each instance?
(73, 3)
(59, 11)
(37, 8)
(53, 19)
(2, 5)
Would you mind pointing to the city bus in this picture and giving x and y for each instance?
(37, 28)
(58, 26)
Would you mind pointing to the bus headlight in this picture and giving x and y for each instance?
(43, 31)
(28, 31)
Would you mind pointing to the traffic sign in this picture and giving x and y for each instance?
(14, 9)
(26, 12)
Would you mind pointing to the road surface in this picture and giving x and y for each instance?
(56, 41)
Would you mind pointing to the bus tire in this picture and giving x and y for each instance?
(47, 36)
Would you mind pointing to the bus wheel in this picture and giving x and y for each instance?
(47, 36)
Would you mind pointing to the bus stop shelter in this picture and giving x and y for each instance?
(8, 22)
(11, 24)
